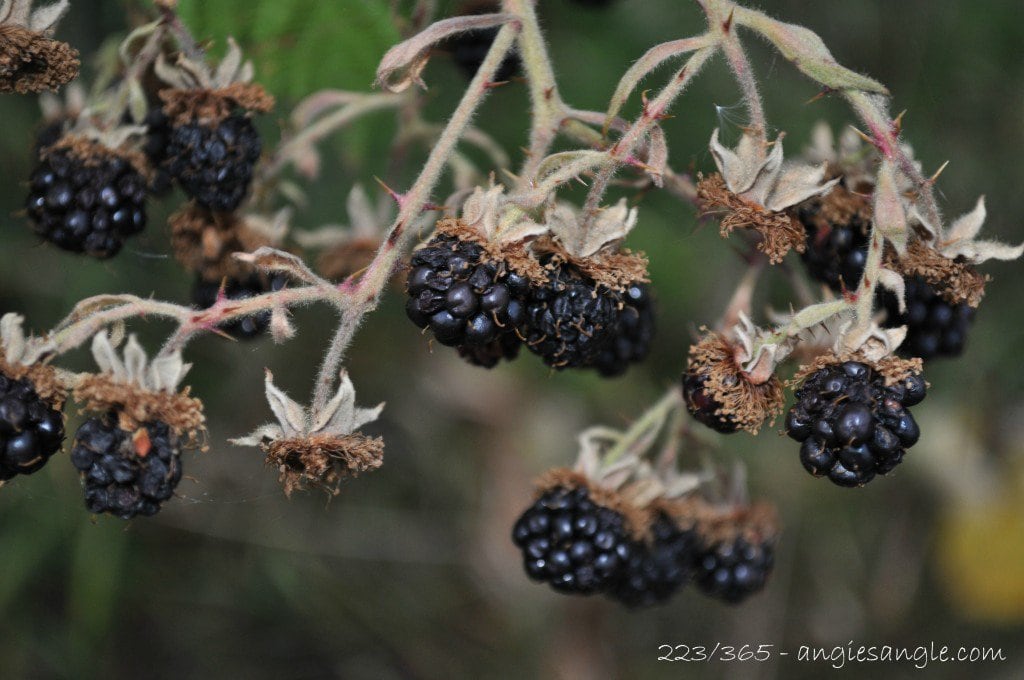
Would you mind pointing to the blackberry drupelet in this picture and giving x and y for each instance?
(31, 430)
(732, 570)
(469, 50)
(572, 543)
(571, 319)
(634, 334)
(204, 295)
(836, 253)
(935, 327)
(655, 572)
(86, 204)
(126, 473)
(506, 346)
(467, 300)
(703, 406)
(851, 425)
(213, 163)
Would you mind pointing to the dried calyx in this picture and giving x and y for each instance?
(23, 357)
(753, 189)
(347, 250)
(198, 92)
(317, 447)
(30, 60)
(204, 240)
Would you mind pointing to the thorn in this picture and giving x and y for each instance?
(496, 84)
(863, 135)
(825, 91)
(728, 22)
(897, 123)
(397, 197)
(548, 92)
(931, 180)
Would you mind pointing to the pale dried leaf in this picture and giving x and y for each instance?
(45, 19)
(290, 414)
(887, 278)
(12, 337)
(228, 67)
(259, 435)
(106, 356)
(135, 361)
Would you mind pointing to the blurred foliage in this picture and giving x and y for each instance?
(410, 573)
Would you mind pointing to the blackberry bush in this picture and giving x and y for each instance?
(852, 425)
(573, 543)
(126, 473)
(86, 198)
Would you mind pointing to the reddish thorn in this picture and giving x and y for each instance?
(395, 233)
(728, 22)
(397, 197)
(489, 85)
(548, 92)
(682, 74)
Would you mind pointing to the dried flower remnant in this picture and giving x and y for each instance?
(30, 59)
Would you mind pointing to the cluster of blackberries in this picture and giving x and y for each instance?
(579, 546)
(126, 473)
(31, 430)
(204, 295)
(86, 202)
(851, 425)
(213, 163)
(487, 311)
(836, 255)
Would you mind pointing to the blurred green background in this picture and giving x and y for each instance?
(409, 573)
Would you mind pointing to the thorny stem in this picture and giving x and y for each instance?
(652, 113)
(366, 292)
(652, 418)
(720, 22)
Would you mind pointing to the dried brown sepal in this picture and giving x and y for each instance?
(203, 242)
(347, 259)
(892, 368)
(44, 379)
(135, 406)
(213, 106)
(741, 401)
(517, 256)
(92, 153)
(322, 461)
(780, 232)
(840, 206)
(686, 513)
(757, 523)
(637, 519)
(31, 62)
(614, 269)
(953, 280)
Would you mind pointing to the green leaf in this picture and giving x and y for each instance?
(300, 46)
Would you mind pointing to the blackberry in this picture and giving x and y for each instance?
(732, 570)
(213, 163)
(851, 425)
(571, 319)
(572, 543)
(126, 473)
(703, 406)
(86, 199)
(469, 50)
(935, 327)
(204, 295)
(632, 340)
(158, 137)
(506, 346)
(836, 253)
(31, 430)
(655, 572)
(466, 300)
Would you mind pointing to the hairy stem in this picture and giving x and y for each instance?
(653, 418)
(720, 22)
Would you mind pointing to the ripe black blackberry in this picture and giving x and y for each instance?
(469, 50)
(851, 425)
(734, 569)
(204, 295)
(836, 251)
(506, 346)
(213, 163)
(31, 429)
(573, 543)
(158, 138)
(632, 340)
(466, 299)
(935, 327)
(656, 571)
(86, 198)
(571, 319)
(126, 473)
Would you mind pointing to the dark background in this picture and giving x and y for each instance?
(409, 573)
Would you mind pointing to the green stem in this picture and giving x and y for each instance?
(654, 417)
